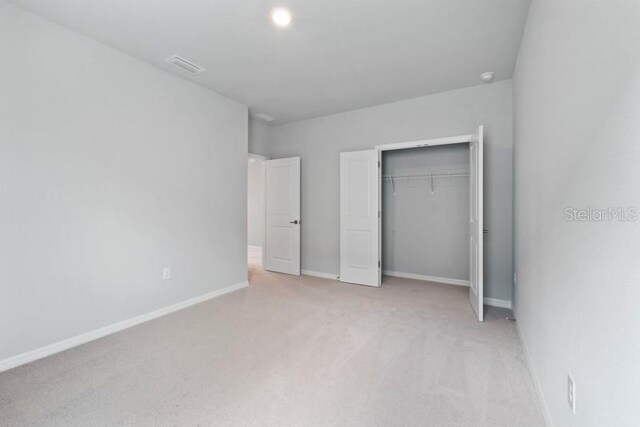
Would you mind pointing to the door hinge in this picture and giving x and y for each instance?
(378, 214)
(378, 264)
(379, 163)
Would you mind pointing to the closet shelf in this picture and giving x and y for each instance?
(427, 175)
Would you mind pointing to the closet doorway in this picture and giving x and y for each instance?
(363, 212)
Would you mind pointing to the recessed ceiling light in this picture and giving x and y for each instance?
(281, 17)
(488, 76)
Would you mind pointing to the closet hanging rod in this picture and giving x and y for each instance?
(426, 175)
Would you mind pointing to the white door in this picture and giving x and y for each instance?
(476, 294)
(359, 218)
(282, 208)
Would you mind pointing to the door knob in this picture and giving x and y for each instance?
(293, 222)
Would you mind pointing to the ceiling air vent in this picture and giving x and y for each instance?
(263, 117)
(185, 64)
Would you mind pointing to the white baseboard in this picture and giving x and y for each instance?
(495, 302)
(534, 377)
(457, 282)
(320, 274)
(436, 279)
(86, 337)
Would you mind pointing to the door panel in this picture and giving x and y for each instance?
(476, 291)
(359, 218)
(282, 207)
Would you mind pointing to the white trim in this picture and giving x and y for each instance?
(436, 279)
(426, 142)
(546, 413)
(257, 156)
(320, 274)
(86, 337)
(495, 302)
(254, 247)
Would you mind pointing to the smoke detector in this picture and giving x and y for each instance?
(488, 76)
(185, 64)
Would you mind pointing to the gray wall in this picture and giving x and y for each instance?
(110, 170)
(255, 203)
(259, 134)
(426, 233)
(319, 143)
(577, 104)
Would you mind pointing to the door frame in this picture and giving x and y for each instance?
(427, 142)
(257, 156)
(261, 158)
(460, 139)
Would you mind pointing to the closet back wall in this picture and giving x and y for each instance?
(319, 143)
(423, 232)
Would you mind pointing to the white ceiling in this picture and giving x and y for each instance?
(337, 55)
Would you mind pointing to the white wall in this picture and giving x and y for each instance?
(109, 170)
(426, 233)
(319, 143)
(577, 134)
(255, 202)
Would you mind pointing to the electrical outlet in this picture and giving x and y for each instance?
(166, 273)
(571, 394)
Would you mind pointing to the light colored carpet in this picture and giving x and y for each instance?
(290, 351)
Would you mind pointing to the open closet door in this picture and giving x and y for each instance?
(282, 209)
(359, 217)
(476, 294)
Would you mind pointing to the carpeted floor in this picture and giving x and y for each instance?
(290, 351)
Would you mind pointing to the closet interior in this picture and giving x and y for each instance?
(425, 213)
